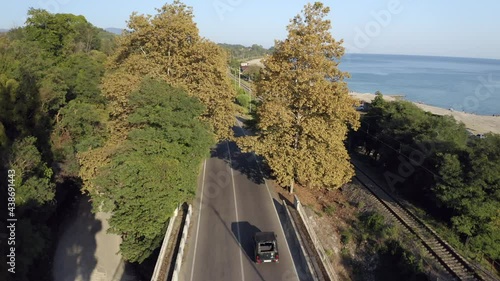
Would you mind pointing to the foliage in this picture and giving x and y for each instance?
(168, 46)
(50, 68)
(433, 161)
(397, 263)
(34, 194)
(239, 52)
(306, 110)
(470, 186)
(345, 236)
(329, 209)
(85, 124)
(252, 72)
(372, 225)
(243, 99)
(33, 176)
(156, 167)
(61, 34)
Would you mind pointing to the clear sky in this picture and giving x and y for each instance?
(423, 27)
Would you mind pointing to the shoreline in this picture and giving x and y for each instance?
(477, 124)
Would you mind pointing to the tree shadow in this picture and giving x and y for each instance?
(244, 233)
(247, 130)
(75, 253)
(247, 163)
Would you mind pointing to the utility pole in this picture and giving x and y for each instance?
(235, 77)
(250, 103)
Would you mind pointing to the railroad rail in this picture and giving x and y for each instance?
(456, 265)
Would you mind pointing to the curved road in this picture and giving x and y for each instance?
(233, 202)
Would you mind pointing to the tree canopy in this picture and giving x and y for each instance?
(156, 168)
(168, 46)
(50, 108)
(305, 110)
(433, 161)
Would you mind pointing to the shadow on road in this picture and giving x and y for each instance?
(235, 237)
(246, 163)
(244, 232)
(75, 254)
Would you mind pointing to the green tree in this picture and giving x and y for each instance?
(61, 34)
(33, 176)
(155, 168)
(168, 46)
(396, 263)
(306, 110)
(35, 192)
(51, 108)
(470, 187)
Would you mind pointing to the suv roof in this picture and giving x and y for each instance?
(265, 236)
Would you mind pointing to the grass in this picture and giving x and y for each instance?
(329, 209)
(345, 236)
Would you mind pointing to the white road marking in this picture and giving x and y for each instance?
(199, 218)
(271, 197)
(236, 209)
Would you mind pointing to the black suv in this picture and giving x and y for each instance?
(266, 247)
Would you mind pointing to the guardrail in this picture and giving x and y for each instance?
(180, 253)
(164, 245)
(319, 248)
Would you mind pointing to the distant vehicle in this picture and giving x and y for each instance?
(266, 247)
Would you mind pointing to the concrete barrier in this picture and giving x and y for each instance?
(180, 253)
(317, 244)
(164, 245)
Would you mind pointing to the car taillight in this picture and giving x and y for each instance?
(276, 257)
(257, 259)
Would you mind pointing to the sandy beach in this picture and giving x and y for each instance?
(257, 62)
(478, 124)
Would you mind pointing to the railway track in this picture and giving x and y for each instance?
(456, 265)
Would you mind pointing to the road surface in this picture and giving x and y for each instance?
(233, 202)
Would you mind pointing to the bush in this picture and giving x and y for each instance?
(397, 263)
(345, 236)
(243, 99)
(372, 224)
(329, 209)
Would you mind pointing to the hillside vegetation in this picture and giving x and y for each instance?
(434, 162)
(51, 109)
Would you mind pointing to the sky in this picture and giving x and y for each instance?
(423, 27)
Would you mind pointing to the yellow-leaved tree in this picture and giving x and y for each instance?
(165, 46)
(168, 46)
(305, 110)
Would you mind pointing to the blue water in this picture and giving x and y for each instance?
(464, 84)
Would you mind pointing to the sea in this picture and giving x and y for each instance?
(461, 84)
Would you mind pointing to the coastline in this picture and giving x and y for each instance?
(477, 124)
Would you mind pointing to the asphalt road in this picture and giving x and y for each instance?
(233, 202)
